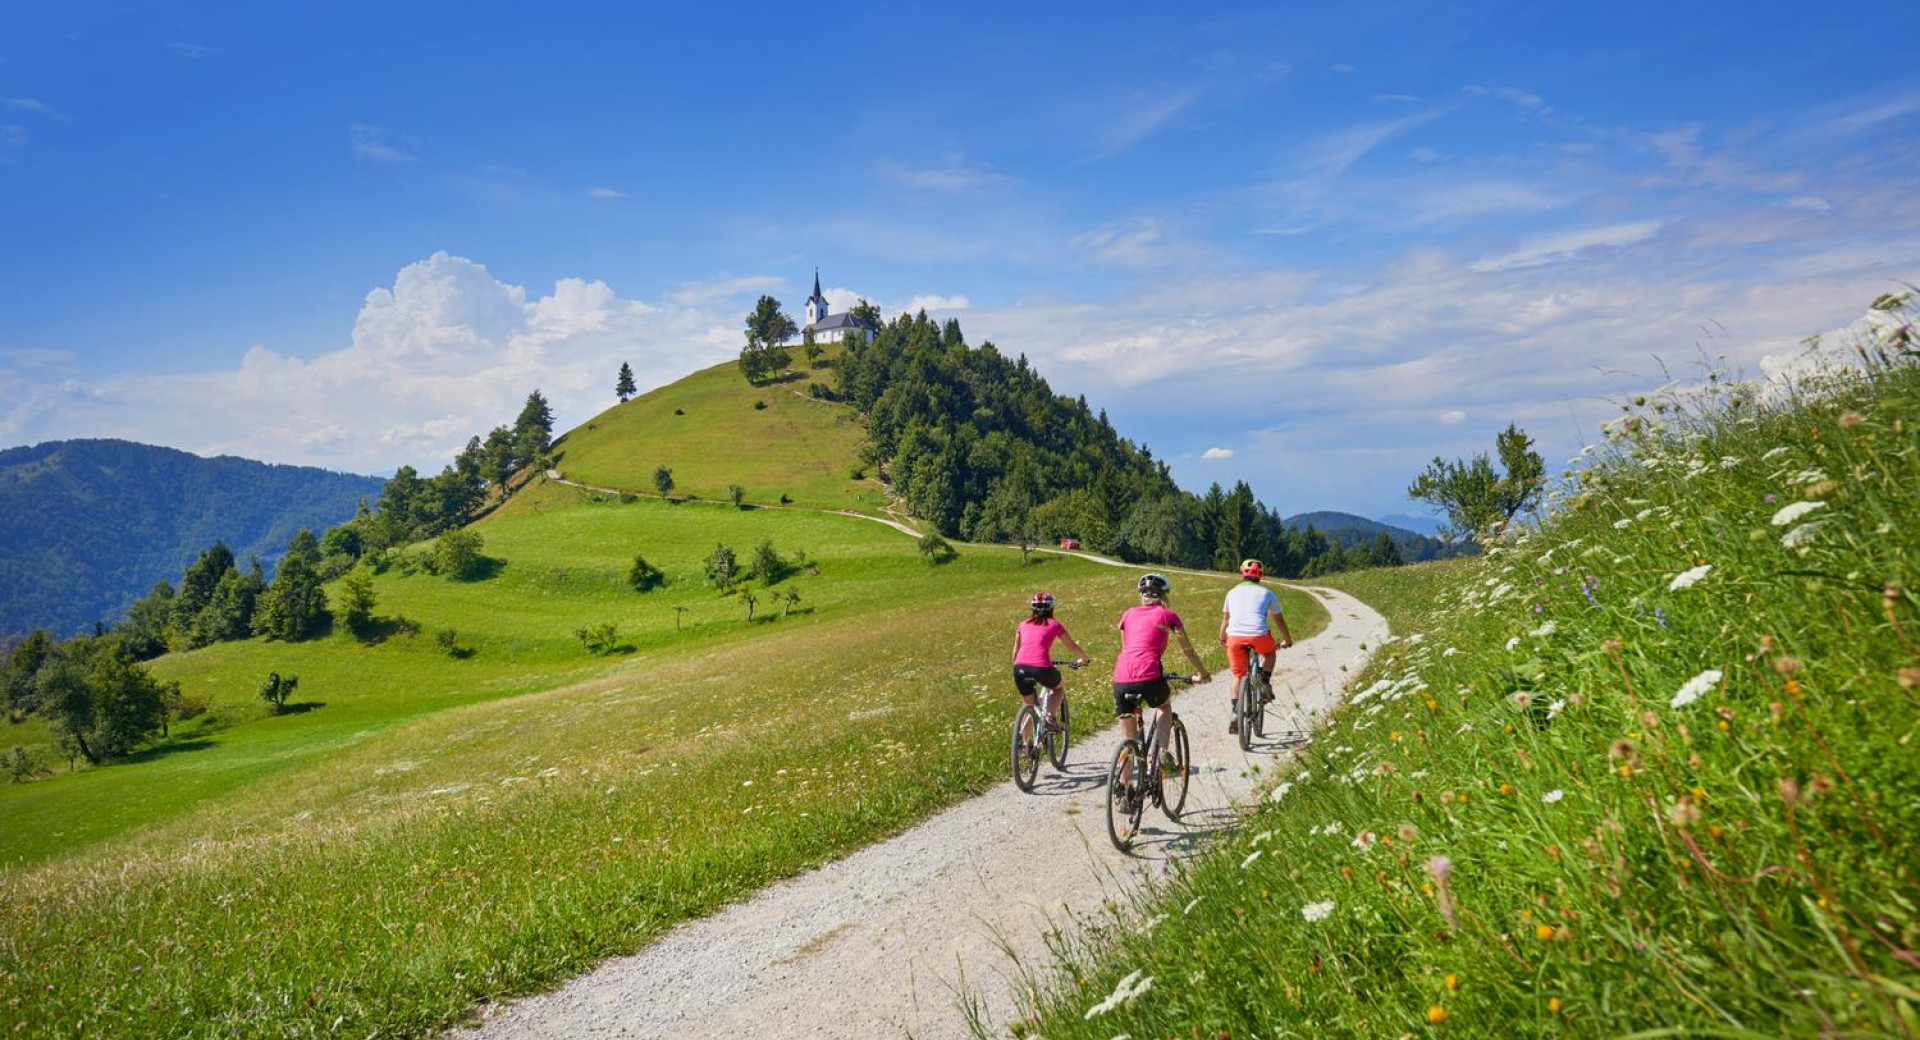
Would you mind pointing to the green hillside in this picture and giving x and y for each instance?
(87, 526)
(1644, 770)
(707, 429)
(425, 831)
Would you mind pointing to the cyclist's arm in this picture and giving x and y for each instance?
(1065, 637)
(1186, 644)
(1280, 626)
(1016, 642)
(1225, 615)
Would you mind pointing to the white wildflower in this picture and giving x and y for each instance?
(1696, 686)
(1189, 907)
(1555, 708)
(1251, 856)
(1279, 792)
(1794, 511)
(1623, 523)
(1130, 987)
(1450, 651)
(1546, 630)
(1317, 911)
(1801, 535)
(1688, 578)
(1782, 450)
(1511, 643)
(1553, 796)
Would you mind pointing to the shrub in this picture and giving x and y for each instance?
(276, 689)
(786, 499)
(722, 567)
(601, 639)
(24, 765)
(736, 494)
(644, 576)
(935, 548)
(766, 566)
(759, 406)
(448, 640)
(456, 555)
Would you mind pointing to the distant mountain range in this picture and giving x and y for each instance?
(1350, 530)
(87, 526)
(1417, 524)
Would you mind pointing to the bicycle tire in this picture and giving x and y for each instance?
(1248, 706)
(1176, 771)
(1125, 800)
(1058, 741)
(1024, 747)
(1260, 707)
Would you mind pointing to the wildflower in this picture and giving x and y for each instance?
(1317, 911)
(1553, 796)
(1556, 707)
(1800, 536)
(1688, 578)
(1407, 832)
(1511, 643)
(1130, 987)
(1251, 856)
(1553, 1005)
(1436, 1014)
(1789, 791)
(1522, 699)
(1506, 788)
(1786, 665)
(1546, 629)
(1696, 686)
(1544, 933)
(1820, 786)
(1453, 983)
(1909, 678)
(1683, 813)
(1851, 419)
(1189, 907)
(1794, 511)
(1279, 792)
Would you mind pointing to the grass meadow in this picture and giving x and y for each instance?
(441, 832)
(1646, 770)
(706, 429)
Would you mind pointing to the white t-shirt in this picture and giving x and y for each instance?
(1248, 605)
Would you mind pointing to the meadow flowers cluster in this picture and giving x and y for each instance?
(1660, 779)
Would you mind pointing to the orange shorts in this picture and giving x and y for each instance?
(1238, 647)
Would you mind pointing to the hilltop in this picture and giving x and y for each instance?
(87, 526)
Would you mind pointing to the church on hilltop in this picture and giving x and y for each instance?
(829, 328)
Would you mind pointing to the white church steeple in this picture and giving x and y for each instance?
(816, 304)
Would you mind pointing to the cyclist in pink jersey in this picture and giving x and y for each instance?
(1033, 665)
(1137, 674)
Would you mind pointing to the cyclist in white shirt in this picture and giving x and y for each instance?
(1244, 629)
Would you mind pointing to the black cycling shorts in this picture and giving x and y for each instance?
(1028, 679)
(1127, 696)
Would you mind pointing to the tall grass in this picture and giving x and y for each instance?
(1648, 769)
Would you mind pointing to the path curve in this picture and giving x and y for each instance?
(890, 940)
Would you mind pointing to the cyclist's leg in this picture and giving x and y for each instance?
(1126, 707)
(1269, 654)
(1024, 683)
(1163, 716)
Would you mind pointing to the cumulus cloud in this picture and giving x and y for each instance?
(1217, 453)
(935, 302)
(446, 352)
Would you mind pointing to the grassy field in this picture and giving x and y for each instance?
(706, 429)
(1645, 771)
(439, 832)
(1403, 595)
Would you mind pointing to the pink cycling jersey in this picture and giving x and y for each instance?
(1036, 642)
(1143, 638)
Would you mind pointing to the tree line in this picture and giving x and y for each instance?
(980, 446)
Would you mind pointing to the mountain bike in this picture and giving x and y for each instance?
(1144, 772)
(1255, 691)
(1035, 728)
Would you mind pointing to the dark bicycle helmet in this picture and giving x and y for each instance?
(1155, 585)
(1041, 601)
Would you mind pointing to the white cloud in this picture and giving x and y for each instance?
(446, 352)
(1137, 118)
(377, 144)
(934, 302)
(1567, 245)
(954, 177)
(605, 193)
(1525, 100)
(1397, 99)
(1875, 114)
(694, 294)
(1331, 154)
(1810, 203)
(1453, 417)
(34, 105)
(1217, 453)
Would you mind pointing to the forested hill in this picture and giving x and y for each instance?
(1352, 531)
(981, 446)
(87, 526)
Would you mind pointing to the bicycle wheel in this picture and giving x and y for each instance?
(1026, 747)
(1176, 769)
(1248, 706)
(1260, 707)
(1125, 799)
(1058, 740)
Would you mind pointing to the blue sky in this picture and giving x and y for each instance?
(1308, 246)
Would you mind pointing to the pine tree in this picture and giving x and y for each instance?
(625, 387)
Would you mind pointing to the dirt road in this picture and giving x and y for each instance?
(893, 940)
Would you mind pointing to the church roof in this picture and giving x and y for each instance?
(816, 284)
(835, 321)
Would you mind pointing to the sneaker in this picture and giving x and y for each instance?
(1233, 724)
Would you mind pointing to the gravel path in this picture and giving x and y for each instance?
(891, 940)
